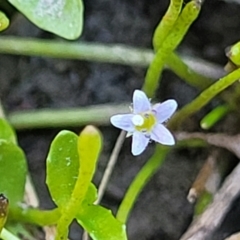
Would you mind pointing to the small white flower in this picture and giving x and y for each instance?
(146, 122)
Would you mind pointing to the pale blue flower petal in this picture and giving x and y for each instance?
(123, 121)
(140, 102)
(165, 110)
(139, 143)
(162, 135)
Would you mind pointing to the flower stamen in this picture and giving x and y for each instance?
(144, 122)
(137, 120)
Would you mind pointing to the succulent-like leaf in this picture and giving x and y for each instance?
(4, 21)
(62, 17)
(96, 220)
(13, 172)
(62, 167)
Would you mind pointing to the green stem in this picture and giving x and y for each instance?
(188, 15)
(89, 51)
(175, 63)
(47, 118)
(166, 23)
(214, 116)
(203, 99)
(35, 216)
(119, 54)
(140, 181)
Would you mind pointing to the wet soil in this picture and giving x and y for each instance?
(162, 211)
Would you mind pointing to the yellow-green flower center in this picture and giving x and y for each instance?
(144, 122)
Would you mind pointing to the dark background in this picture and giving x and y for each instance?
(162, 211)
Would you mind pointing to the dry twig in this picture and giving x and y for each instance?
(204, 226)
(228, 142)
(206, 176)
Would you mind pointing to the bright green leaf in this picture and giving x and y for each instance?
(62, 167)
(4, 21)
(62, 17)
(96, 220)
(89, 146)
(6, 131)
(13, 172)
(100, 223)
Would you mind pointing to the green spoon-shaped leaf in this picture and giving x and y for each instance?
(62, 17)
(96, 220)
(88, 147)
(62, 167)
(13, 172)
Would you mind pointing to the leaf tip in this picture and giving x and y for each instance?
(90, 129)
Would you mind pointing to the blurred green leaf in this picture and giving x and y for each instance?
(101, 224)
(203, 202)
(214, 116)
(13, 172)
(233, 53)
(6, 131)
(62, 17)
(62, 167)
(4, 21)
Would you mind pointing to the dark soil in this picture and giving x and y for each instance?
(162, 211)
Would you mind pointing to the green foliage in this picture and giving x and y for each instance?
(167, 23)
(173, 31)
(4, 21)
(72, 159)
(62, 167)
(214, 116)
(233, 54)
(62, 17)
(13, 165)
(100, 223)
(140, 180)
(205, 97)
(12, 172)
(6, 132)
(71, 163)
